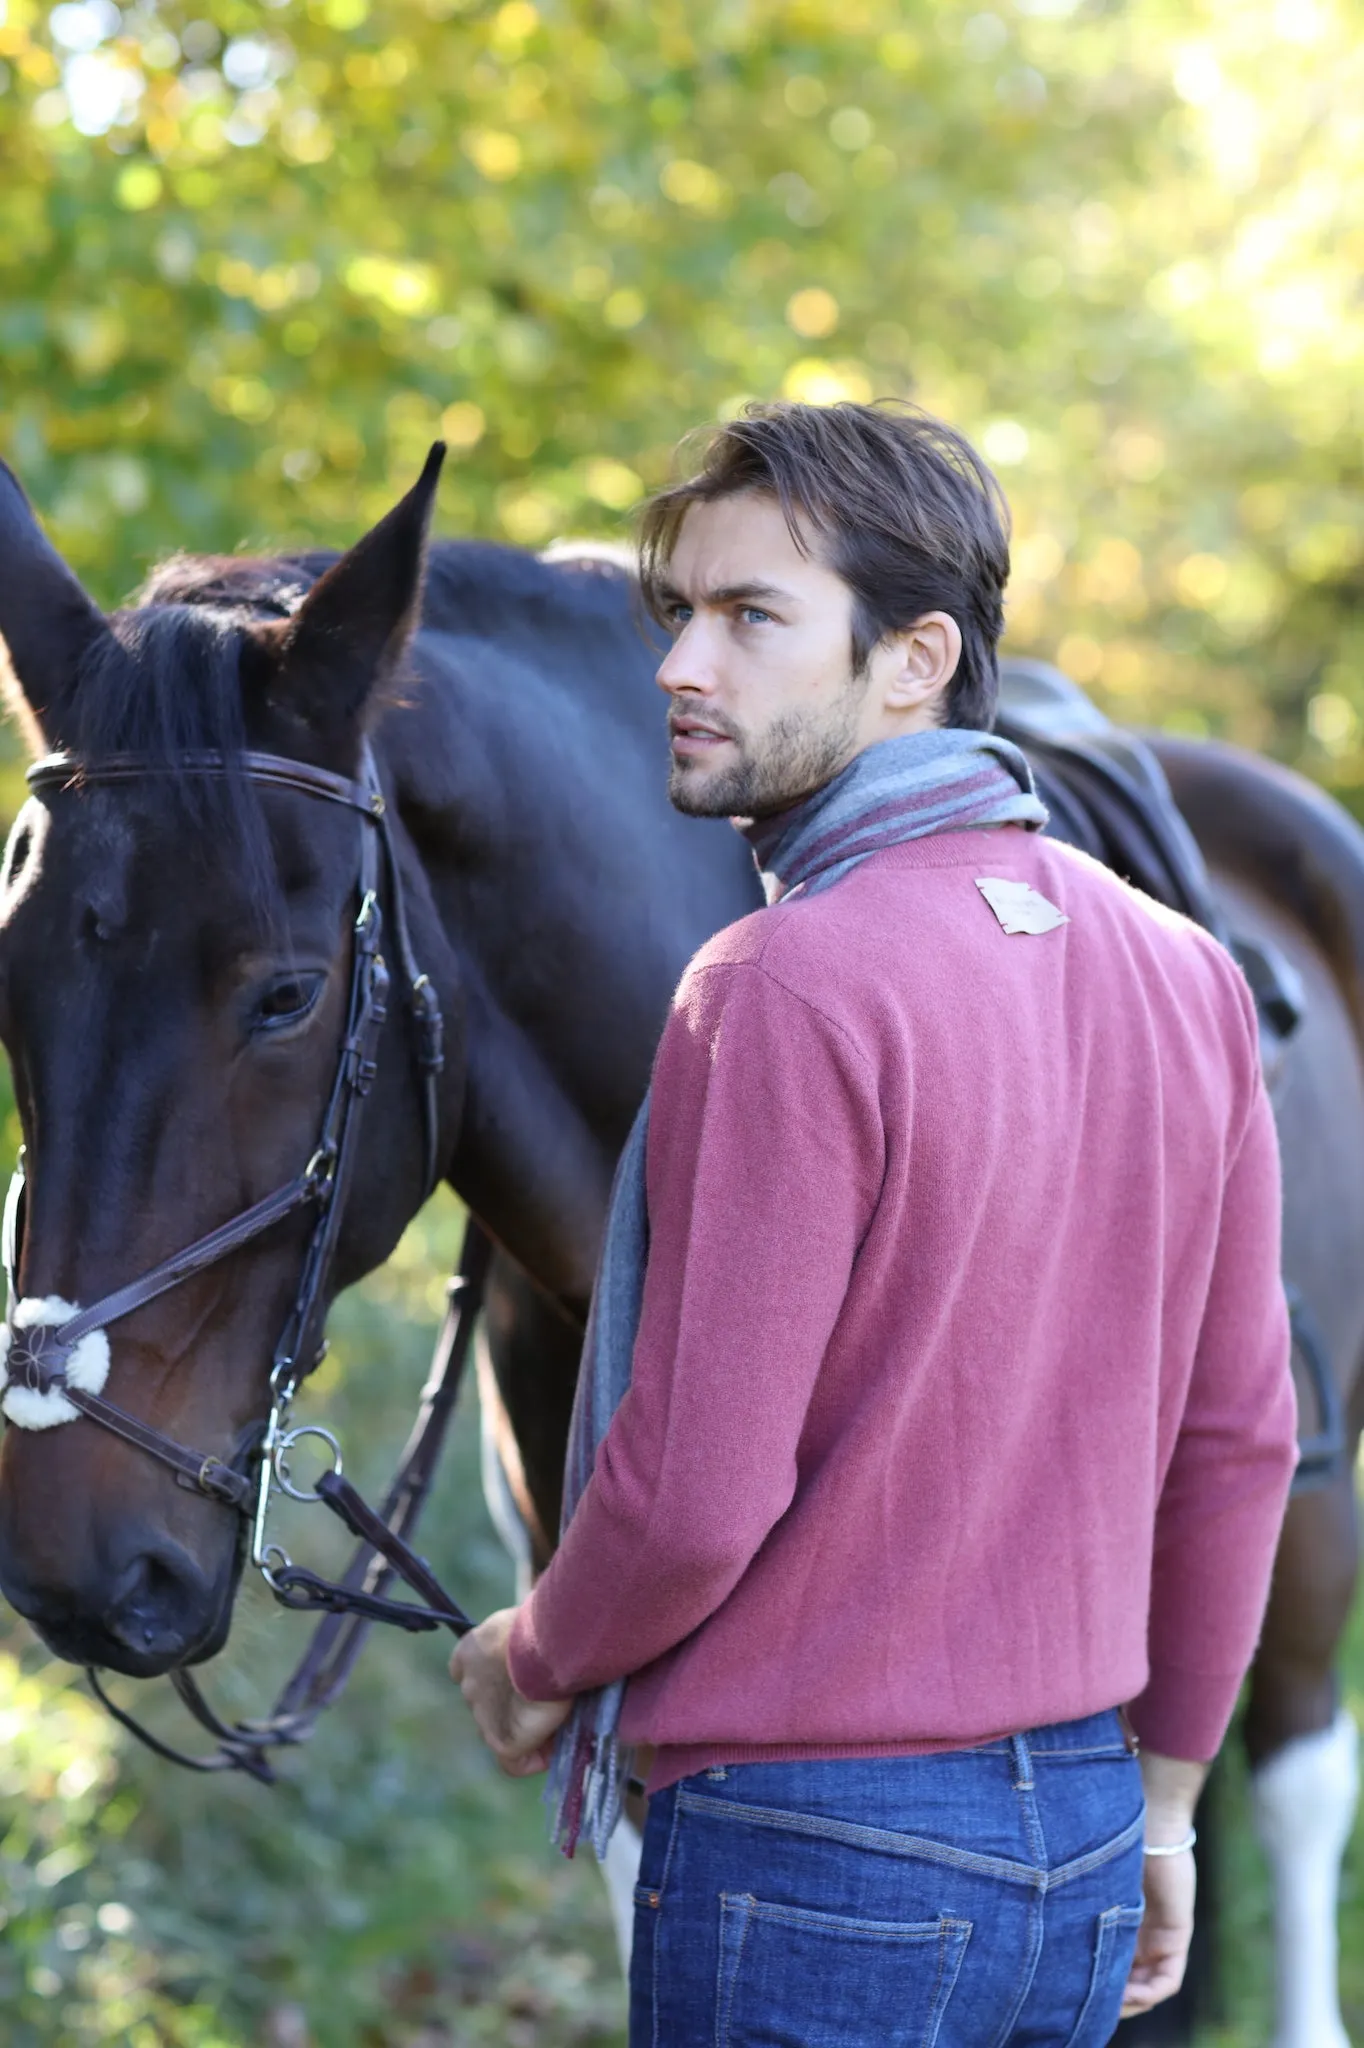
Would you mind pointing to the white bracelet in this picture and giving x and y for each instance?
(1171, 1848)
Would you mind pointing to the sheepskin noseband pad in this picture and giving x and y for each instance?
(28, 1404)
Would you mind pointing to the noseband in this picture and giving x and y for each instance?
(51, 1373)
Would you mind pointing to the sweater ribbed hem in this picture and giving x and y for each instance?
(685, 1759)
(1185, 1713)
(530, 1674)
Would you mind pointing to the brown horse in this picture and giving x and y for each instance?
(1288, 867)
(174, 958)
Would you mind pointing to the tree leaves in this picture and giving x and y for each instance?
(252, 256)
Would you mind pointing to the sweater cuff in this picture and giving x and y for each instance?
(529, 1672)
(1184, 1713)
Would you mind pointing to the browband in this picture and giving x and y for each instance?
(68, 771)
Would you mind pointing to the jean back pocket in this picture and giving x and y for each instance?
(1115, 1943)
(792, 1978)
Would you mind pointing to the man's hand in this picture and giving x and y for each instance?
(1172, 1787)
(1164, 1935)
(516, 1730)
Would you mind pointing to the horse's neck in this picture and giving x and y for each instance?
(570, 903)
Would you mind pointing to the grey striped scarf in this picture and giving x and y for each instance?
(946, 780)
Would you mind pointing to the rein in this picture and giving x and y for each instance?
(42, 1362)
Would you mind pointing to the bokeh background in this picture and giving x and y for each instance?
(253, 259)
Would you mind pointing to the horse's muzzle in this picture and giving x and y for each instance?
(156, 1612)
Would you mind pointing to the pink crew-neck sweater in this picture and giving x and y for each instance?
(961, 1400)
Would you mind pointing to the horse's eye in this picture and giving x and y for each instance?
(20, 848)
(287, 1000)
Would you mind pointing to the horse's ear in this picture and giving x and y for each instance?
(351, 630)
(47, 623)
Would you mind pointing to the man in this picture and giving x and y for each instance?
(942, 1289)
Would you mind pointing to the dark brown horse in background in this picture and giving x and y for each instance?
(173, 958)
(1287, 864)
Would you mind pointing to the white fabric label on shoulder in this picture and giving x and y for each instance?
(1018, 906)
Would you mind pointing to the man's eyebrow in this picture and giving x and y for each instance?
(729, 593)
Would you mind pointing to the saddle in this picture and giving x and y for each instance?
(1108, 796)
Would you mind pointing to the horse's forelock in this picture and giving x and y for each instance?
(167, 681)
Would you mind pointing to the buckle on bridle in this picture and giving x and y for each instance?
(320, 1172)
(224, 1488)
(430, 1023)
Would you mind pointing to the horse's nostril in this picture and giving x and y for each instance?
(161, 1606)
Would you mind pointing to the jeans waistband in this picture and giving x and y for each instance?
(1102, 1734)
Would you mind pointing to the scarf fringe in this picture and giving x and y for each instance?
(586, 1785)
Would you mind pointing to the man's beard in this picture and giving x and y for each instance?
(796, 755)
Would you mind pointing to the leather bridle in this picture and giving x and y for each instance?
(39, 1354)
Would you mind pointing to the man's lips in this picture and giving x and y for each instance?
(690, 738)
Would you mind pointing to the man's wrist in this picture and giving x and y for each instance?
(1172, 1786)
(1178, 1848)
(529, 1672)
(1168, 1823)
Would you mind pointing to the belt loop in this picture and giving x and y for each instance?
(1023, 1780)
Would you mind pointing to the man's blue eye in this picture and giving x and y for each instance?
(752, 612)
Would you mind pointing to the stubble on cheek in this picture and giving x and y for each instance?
(795, 756)
(701, 793)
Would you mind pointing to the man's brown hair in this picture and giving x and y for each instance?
(898, 504)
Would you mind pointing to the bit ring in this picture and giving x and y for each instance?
(286, 1444)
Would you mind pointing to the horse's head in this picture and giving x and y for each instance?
(175, 972)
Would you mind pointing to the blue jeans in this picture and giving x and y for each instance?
(965, 1900)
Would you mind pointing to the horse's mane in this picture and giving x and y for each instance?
(256, 585)
(472, 586)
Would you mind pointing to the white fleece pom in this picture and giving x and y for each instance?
(86, 1368)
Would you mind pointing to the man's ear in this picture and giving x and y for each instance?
(922, 661)
(351, 630)
(47, 623)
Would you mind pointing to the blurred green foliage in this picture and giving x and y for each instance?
(253, 258)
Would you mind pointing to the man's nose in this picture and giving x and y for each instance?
(686, 668)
